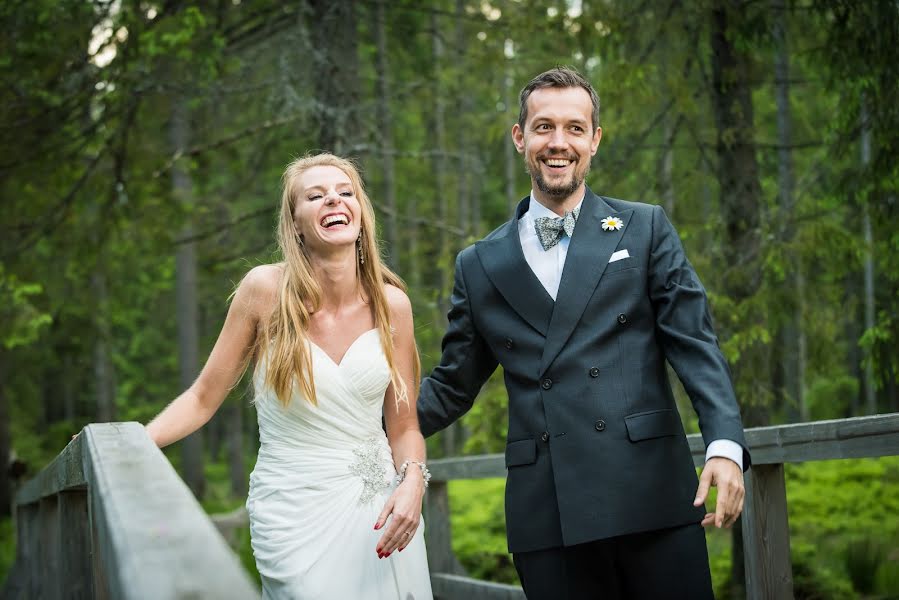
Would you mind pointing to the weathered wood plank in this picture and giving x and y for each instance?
(154, 537)
(75, 545)
(456, 587)
(766, 535)
(438, 533)
(47, 567)
(27, 541)
(64, 472)
(859, 437)
(483, 466)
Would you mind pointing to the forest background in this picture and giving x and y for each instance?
(143, 142)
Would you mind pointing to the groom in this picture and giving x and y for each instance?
(582, 299)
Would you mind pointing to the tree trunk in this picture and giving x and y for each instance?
(5, 443)
(186, 293)
(739, 196)
(476, 186)
(442, 280)
(739, 189)
(236, 468)
(104, 374)
(509, 152)
(794, 331)
(870, 393)
(445, 262)
(463, 168)
(68, 388)
(666, 168)
(385, 132)
(336, 65)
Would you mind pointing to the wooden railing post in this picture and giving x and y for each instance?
(438, 535)
(48, 546)
(26, 584)
(75, 545)
(766, 535)
(109, 518)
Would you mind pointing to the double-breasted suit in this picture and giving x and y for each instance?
(595, 445)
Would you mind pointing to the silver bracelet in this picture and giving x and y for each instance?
(425, 473)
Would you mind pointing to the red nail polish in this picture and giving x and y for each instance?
(401, 549)
(377, 526)
(388, 554)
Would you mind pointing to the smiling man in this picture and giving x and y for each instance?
(582, 299)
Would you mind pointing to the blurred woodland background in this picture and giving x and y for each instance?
(142, 142)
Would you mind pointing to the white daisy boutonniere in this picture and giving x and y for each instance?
(612, 224)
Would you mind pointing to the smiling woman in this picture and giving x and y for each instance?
(330, 330)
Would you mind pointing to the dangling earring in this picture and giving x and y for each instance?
(361, 253)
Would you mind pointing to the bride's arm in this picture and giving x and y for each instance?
(226, 364)
(403, 434)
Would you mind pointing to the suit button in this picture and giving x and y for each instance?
(600, 425)
(544, 436)
(508, 343)
(594, 372)
(622, 318)
(546, 384)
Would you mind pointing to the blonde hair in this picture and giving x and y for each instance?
(284, 339)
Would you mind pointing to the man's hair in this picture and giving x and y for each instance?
(558, 77)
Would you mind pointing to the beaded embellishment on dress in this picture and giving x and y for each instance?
(369, 466)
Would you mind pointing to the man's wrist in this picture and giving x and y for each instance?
(725, 449)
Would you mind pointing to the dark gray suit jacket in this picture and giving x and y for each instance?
(595, 447)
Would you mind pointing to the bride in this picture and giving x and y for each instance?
(334, 502)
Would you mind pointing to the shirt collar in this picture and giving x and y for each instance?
(537, 210)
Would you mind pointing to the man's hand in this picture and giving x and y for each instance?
(726, 475)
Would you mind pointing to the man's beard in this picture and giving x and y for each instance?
(559, 192)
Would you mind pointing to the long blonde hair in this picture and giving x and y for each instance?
(284, 339)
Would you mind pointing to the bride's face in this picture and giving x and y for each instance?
(327, 213)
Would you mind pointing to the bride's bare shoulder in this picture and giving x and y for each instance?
(259, 287)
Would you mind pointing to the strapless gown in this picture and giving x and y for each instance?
(321, 479)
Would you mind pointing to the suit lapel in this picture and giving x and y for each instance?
(505, 265)
(588, 255)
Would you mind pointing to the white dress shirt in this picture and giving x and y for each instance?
(547, 265)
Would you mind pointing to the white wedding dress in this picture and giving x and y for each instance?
(321, 479)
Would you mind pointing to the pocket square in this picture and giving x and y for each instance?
(619, 255)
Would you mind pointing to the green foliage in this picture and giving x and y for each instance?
(20, 321)
(886, 580)
(7, 548)
(829, 397)
(862, 558)
(478, 523)
(813, 580)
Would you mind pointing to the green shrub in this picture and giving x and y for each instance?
(813, 580)
(478, 523)
(7, 548)
(862, 558)
(886, 580)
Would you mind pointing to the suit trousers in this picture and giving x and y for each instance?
(668, 564)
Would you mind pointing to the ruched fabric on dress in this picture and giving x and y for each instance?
(321, 479)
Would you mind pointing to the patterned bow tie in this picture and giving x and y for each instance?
(550, 230)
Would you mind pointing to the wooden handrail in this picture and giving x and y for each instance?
(110, 518)
(765, 525)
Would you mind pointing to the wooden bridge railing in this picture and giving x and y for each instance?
(110, 518)
(766, 535)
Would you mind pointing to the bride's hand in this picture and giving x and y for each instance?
(405, 507)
